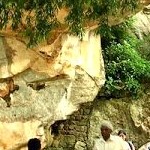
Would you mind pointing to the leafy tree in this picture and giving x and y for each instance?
(40, 16)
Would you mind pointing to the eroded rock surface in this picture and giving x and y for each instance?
(46, 83)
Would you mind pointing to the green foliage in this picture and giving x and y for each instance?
(125, 68)
(40, 16)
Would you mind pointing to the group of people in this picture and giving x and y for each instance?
(112, 142)
(106, 142)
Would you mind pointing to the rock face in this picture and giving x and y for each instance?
(47, 83)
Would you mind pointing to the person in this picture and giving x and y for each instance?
(109, 141)
(123, 135)
(34, 144)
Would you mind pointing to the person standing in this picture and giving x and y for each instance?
(109, 141)
(123, 135)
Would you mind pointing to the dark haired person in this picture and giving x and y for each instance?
(34, 144)
(123, 135)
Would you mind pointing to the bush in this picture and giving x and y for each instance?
(126, 68)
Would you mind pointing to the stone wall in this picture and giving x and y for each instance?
(73, 133)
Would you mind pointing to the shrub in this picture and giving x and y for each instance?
(125, 67)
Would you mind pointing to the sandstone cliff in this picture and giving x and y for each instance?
(51, 81)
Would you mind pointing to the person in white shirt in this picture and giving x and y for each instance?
(109, 141)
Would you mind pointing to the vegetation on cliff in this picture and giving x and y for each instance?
(37, 18)
(127, 60)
